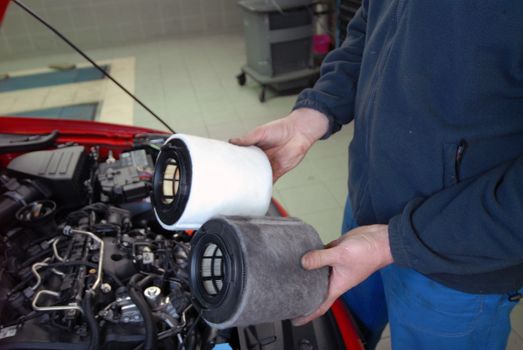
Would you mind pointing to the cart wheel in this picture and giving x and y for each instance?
(262, 94)
(242, 78)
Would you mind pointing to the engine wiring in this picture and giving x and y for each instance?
(75, 286)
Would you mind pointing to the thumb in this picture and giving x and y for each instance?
(249, 139)
(316, 259)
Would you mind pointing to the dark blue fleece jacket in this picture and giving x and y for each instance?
(435, 89)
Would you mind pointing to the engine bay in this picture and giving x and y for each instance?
(84, 263)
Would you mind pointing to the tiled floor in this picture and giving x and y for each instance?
(115, 102)
(191, 83)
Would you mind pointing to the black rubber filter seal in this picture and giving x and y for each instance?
(220, 307)
(170, 213)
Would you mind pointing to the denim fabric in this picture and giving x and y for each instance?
(424, 314)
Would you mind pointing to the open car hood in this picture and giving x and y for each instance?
(3, 9)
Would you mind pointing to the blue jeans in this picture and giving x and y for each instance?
(424, 314)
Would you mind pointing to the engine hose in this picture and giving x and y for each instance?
(91, 320)
(191, 343)
(165, 317)
(137, 298)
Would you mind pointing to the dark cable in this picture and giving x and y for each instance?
(136, 294)
(84, 55)
(20, 320)
(191, 329)
(87, 307)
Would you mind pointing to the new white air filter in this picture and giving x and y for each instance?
(196, 179)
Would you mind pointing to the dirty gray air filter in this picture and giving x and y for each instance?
(197, 178)
(247, 270)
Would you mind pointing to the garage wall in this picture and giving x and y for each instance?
(102, 23)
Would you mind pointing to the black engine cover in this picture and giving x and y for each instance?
(62, 170)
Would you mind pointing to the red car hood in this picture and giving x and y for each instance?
(3, 9)
(87, 133)
(81, 131)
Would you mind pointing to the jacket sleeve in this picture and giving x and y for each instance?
(473, 227)
(335, 91)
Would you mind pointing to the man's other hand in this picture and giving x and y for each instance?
(353, 257)
(287, 140)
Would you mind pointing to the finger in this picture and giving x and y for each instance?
(252, 138)
(316, 259)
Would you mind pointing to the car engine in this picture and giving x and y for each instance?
(83, 262)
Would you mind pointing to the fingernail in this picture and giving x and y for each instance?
(305, 261)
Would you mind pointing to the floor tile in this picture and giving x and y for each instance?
(336, 144)
(386, 332)
(308, 199)
(90, 91)
(226, 130)
(181, 121)
(61, 95)
(516, 319)
(251, 124)
(32, 99)
(218, 112)
(252, 109)
(330, 167)
(197, 131)
(7, 101)
(384, 344)
(515, 342)
(303, 175)
(338, 188)
(326, 222)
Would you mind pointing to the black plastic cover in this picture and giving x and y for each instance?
(62, 170)
(126, 179)
(321, 333)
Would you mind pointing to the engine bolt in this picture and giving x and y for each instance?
(153, 295)
(105, 288)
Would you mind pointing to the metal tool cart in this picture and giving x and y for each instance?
(278, 38)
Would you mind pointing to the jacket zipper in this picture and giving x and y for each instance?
(459, 157)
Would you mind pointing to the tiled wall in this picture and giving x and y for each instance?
(102, 23)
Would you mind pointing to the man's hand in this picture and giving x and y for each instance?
(287, 140)
(353, 257)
